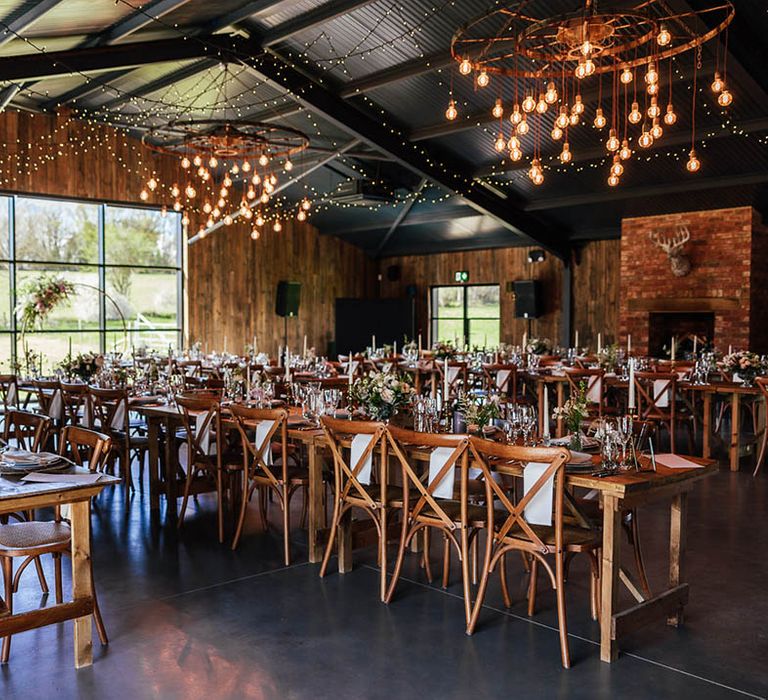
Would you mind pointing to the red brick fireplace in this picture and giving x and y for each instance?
(728, 251)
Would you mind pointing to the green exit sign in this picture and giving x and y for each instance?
(461, 276)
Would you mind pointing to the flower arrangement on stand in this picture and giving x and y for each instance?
(380, 395)
(83, 366)
(608, 358)
(573, 412)
(539, 346)
(40, 297)
(444, 350)
(747, 365)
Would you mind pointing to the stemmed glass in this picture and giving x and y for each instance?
(624, 431)
(528, 423)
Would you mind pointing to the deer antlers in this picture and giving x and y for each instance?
(673, 247)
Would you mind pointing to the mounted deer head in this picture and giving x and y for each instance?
(673, 247)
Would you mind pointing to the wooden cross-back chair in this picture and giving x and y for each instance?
(189, 368)
(594, 388)
(501, 379)
(377, 499)
(457, 519)
(77, 404)
(32, 539)
(267, 471)
(457, 375)
(762, 384)
(655, 389)
(9, 393)
(28, 430)
(509, 529)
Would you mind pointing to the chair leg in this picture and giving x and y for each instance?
(304, 507)
(532, 585)
(503, 577)
(7, 564)
(287, 527)
(483, 586)
(446, 560)
(561, 612)
(400, 557)
(57, 577)
(331, 536)
(220, 504)
(243, 507)
(762, 449)
(41, 575)
(465, 574)
(425, 555)
(383, 555)
(187, 486)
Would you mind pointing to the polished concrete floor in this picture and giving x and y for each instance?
(188, 618)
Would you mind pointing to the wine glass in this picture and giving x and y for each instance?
(624, 430)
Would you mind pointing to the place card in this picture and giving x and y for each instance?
(673, 461)
(47, 478)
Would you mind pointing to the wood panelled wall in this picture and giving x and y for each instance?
(596, 292)
(233, 280)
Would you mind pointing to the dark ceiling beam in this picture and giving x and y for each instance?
(236, 16)
(133, 22)
(307, 20)
(86, 88)
(446, 212)
(16, 25)
(398, 72)
(161, 82)
(106, 58)
(402, 215)
(694, 184)
(679, 138)
(382, 133)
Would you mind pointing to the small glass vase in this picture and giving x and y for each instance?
(577, 438)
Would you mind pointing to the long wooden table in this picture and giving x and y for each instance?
(15, 496)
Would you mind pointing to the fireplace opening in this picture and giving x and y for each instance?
(683, 326)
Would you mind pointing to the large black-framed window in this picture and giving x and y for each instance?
(468, 313)
(125, 263)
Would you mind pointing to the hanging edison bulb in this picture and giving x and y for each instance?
(301, 215)
(221, 203)
(513, 143)
(175, 191)
(273, 178)
(223, 193)
(213, 162)
(551, 94)
(656, 130)
(198, 161)
(306, 205)
(523, 128)
(574, 119)
(529, 104)
(246, 166)
(652, 89)
(251, 193)
(465, 67)
(190, 191)
(451, 113)
(185, 220)
(277, 226)
(259, 219)
(693, 163)
(143, 195)
(263, 160)
(645, 140)
(207, 208)
(580, 71)
(185, 163)
(653, 109)
(498, 109)
(634, 114)
(206, 176)
(228, 220)
(562, 118)
(248, 214)
(613, 180)
(557, 133)
(565, 154)
(515, 154)
(578, 105)
(542, 105)
(516, 117)
(255, 234)
(235, 169)
(152, 184)
(663, 37)
(227, 181)
(718, 83)
(256, 180)
(500, 144)
(269, 187)
(535, 173)
(651, 75)
(177, 205)
(243, 206)
(288, 166)
(600, 120)
(626, 76)
(586, 47)
(625, 152)
(617, 168)
(208, 223)
(725, 98)
(589, 67)
(264, 198)
(613, 143)
(483, 79)
(201, 171)
(670, 117)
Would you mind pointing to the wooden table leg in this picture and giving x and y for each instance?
(171, 469)
(609, 576)
(560, 402)
(153, 436)
(82, 583)
(315, 503)
(344, 543)
(706, 430)
(677, 546)
(735, 428)
(540, 389)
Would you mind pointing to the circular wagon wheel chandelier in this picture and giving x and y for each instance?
(219, 159)
(551, 60)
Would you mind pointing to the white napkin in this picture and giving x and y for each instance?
(437, 461)
(674, 461)
(118, 420)
(502, 376)
(595, 391)
(56, 409)
(453, 372)
(62, 478)
(86, 421)
(359, 445)
(262, 430)
(204, 436)
(11, 397)
(539, 508)
(661, 397)
(386, 367)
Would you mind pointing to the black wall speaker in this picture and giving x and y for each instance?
(287, 298)
(393, 273)
(527, 299)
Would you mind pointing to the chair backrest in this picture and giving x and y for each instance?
(501, 378)
(257, 448)
(201, 418)
(594, 385)
(655, 393)
(110, 409)
(189, 368)
(348, 475)
(46, 390)
(29, 430)
(77, 405)
(762, 384)
(85, 447)
(457, 374)
(486, 454)
(402, 440)
(9, 390)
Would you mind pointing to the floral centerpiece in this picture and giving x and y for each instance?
(608, 357)
(40, 297)
(381, 394)
(539, 346)
(83, 366)
(572, 413)
(747, 365)
(478, 411)
(444, 351)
